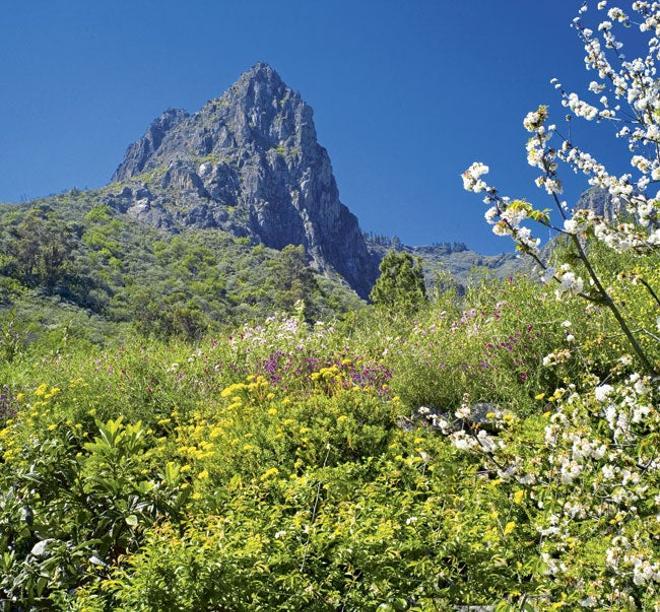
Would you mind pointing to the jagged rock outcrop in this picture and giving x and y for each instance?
(248, 162)
(599, 201)
(143, 150)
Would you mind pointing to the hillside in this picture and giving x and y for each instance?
(211, 219)
(383, 462)
(73, 258)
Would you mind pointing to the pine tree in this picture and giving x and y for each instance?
(400, 285)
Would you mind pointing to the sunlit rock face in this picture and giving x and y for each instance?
(248, 162)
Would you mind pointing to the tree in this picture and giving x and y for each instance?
(626, 94)
(42, 250)
(591, 473)
(400, 285)
(292, 281)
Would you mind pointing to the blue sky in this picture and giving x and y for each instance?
(406, 93)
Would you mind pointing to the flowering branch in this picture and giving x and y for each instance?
(634, 83)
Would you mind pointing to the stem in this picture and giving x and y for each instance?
(648, 333)
(650, 290)
(601, 290)
(314, 510)
(613, 307)
(537, 259)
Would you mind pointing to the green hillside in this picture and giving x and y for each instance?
(72, 258)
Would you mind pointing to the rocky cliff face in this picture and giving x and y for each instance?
(247, 162)
(599, 201)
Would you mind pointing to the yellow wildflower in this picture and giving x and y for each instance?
(269, 473)
(41, 390)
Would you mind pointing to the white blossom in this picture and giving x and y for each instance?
(472, 177)
(602, 392)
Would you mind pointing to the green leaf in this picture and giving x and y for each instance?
(132, 520)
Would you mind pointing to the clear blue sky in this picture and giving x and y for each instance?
(406, 93)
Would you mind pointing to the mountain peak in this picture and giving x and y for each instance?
(259, 109)
(248, 162)
(262, 71)
(259, 87)
(261, 74)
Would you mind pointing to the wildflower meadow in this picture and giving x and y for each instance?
(496, 448)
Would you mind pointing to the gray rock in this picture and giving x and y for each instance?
(222, 183)
(180, 176)
(152, 214)
(446, 420)
(40, 549)
(143, 194)
(599, 201)
(479, 411)
(139, 153)
(204, 216)
(251, 154)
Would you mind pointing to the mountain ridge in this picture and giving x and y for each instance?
(455, 259)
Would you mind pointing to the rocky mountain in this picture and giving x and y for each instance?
(599, 201)
(462, 263)
(249, 163)
(195, 230)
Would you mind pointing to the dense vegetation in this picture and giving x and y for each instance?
(400, 285)
(192, 422)
(330, 466)
(74, 258)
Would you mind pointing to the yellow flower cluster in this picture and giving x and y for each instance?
(332, 379)
(35, 403)
(9, 447)
(327, 374)
(256, 388)
(193, 441)
(557, 395)
(270, 473)
(45, 393)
